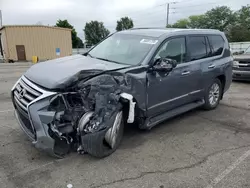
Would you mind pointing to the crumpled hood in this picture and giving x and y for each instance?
(60, 73)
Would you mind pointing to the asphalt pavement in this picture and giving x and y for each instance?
(209, 149)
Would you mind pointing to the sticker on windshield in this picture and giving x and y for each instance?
(148, 41)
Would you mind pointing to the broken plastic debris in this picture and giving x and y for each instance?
(69, 186)
(131, 115)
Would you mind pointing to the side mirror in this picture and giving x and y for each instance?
(164, 65)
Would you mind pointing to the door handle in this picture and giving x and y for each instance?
(211, 66)
(185, 73)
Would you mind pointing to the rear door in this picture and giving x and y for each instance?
(198, 52)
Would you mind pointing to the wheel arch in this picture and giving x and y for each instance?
(222, 79)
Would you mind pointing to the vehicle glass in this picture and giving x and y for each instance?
(217, 44)
(124, 48)
(247, 50)
(197, 48)
(209, 51)
(173, 49)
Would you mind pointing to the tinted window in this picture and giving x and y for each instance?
(197, 48)
(209, 50)
(173, 49)
(217, 44)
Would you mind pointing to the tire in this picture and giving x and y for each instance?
(100, 148)
(213, 95)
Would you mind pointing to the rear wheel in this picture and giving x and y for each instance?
(213, 95)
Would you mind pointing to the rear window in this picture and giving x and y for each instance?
(216, 44)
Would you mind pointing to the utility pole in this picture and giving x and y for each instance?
(1, 21)
(167, 12)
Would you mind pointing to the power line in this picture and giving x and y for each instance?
(180, 7)
(1, 19)
(146, 13)
(150, 8)
(202, 4)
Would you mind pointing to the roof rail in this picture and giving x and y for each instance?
(147, 28)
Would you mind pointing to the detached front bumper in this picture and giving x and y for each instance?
(241, 75)
(29, 114)
(40, 135)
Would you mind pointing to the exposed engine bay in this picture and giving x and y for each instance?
(86, 118)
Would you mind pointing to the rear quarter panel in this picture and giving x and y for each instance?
(223, 67)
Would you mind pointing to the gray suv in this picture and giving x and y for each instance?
(140, 76)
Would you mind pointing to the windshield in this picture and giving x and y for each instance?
(123, 48)
(247, 50)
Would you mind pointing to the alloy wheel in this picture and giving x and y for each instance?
(214, 94)
(112, 134)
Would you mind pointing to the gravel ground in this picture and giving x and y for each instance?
(198, 149)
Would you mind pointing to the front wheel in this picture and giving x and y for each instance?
(213, 95)
(111, 140)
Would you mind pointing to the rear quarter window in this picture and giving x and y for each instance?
(217, 44)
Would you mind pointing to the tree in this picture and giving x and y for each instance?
(197, 21)
(220, 18)
(243, 16)
(95, 32)
(182, 23)
(236, 25)
(124, 23)
(79, 43)
(240, 31)
(65, 24)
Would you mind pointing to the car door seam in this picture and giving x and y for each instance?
(173, 99)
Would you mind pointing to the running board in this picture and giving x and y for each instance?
(172, 113)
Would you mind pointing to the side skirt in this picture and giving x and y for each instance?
(153, 121)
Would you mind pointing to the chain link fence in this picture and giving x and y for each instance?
(239, 47)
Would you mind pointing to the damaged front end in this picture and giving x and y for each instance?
(87, 118)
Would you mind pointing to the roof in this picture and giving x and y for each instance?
(35, 26)
(158, 32)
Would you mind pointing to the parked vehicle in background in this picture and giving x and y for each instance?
(139, 75)
(241, 66)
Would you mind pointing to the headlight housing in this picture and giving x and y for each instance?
(236, 64)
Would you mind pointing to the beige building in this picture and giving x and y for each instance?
(21, 42)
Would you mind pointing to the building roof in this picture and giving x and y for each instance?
(53, 27)
(158, 32)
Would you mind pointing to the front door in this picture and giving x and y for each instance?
(20, 50)
(167, 91)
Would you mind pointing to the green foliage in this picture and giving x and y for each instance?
(66, 24)
(219, 18)
(240, 31)
(182, 23)
(95, 32)
(79, 43)
(243, 16)
(197, 21)
(236, 25)
(124, 23)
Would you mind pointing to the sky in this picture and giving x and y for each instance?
(145, 13)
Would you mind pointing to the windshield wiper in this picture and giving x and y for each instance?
(109, 60)
(88, 54)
